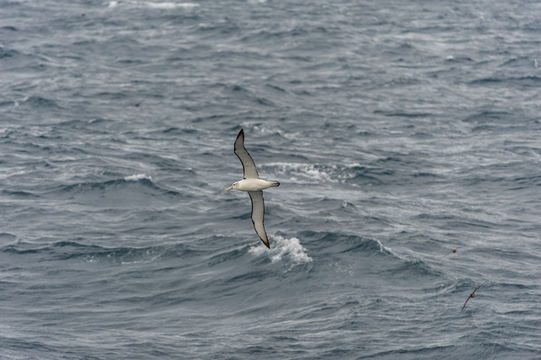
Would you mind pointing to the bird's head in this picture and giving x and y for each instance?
(233, 186)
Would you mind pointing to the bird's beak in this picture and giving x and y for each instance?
(228, 188)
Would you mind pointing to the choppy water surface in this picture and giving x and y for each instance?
(398, 130)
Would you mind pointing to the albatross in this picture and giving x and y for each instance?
(253, 185)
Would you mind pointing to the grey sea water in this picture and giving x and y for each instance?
(399, 130)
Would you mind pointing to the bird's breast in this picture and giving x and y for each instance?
(254, 184)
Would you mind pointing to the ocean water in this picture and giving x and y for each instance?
(399, 130)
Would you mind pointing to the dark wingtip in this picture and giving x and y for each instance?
(265, 241)
(241, 133)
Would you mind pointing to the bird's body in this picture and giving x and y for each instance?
(254, 186)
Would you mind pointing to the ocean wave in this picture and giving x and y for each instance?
(344, 243)
(40, 102)
(488, 116)
(244, 94)
(324, 205)
(353, 174)
(92, 253)
(8, 28)
(283, 248)
(175, 131)
(170, 5)
(19, 194)
(523, 81)
(8, 53)
(300, 172)
(404, 114)
(410, 268)
(115, 223)
(137, 177)
(416, 352)
(153, 4)
(228, 255)
(333, 245)
(128, 183)
(5, 236)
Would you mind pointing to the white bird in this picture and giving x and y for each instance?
(254, 186)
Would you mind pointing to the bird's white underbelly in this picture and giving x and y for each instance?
(253, 184)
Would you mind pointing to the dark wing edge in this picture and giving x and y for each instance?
(465, 302)
(258, 210)
(248, 165)
(470, 296)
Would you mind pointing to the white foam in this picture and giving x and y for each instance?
(152, 4)
(138, 177)
(307, 171)
(187, 5)
(170, 5)
(283, 247)
(269, 130)
(384, 249)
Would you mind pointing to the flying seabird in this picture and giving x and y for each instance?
(472, 295)
(453, 251)
(253, 185)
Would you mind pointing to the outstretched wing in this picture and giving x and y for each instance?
(258, 214)
(469, 297)
(465, 302)
(248, 165)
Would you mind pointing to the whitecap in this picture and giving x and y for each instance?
(283, 247)
(307, 171)
(170, 5)
(187, 5)
(137, 177)
(385, 249)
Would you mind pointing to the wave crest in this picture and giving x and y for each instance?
(137, 177)
(284, 247)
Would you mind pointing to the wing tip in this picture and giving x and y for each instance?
(263, 237)
(239, 140)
